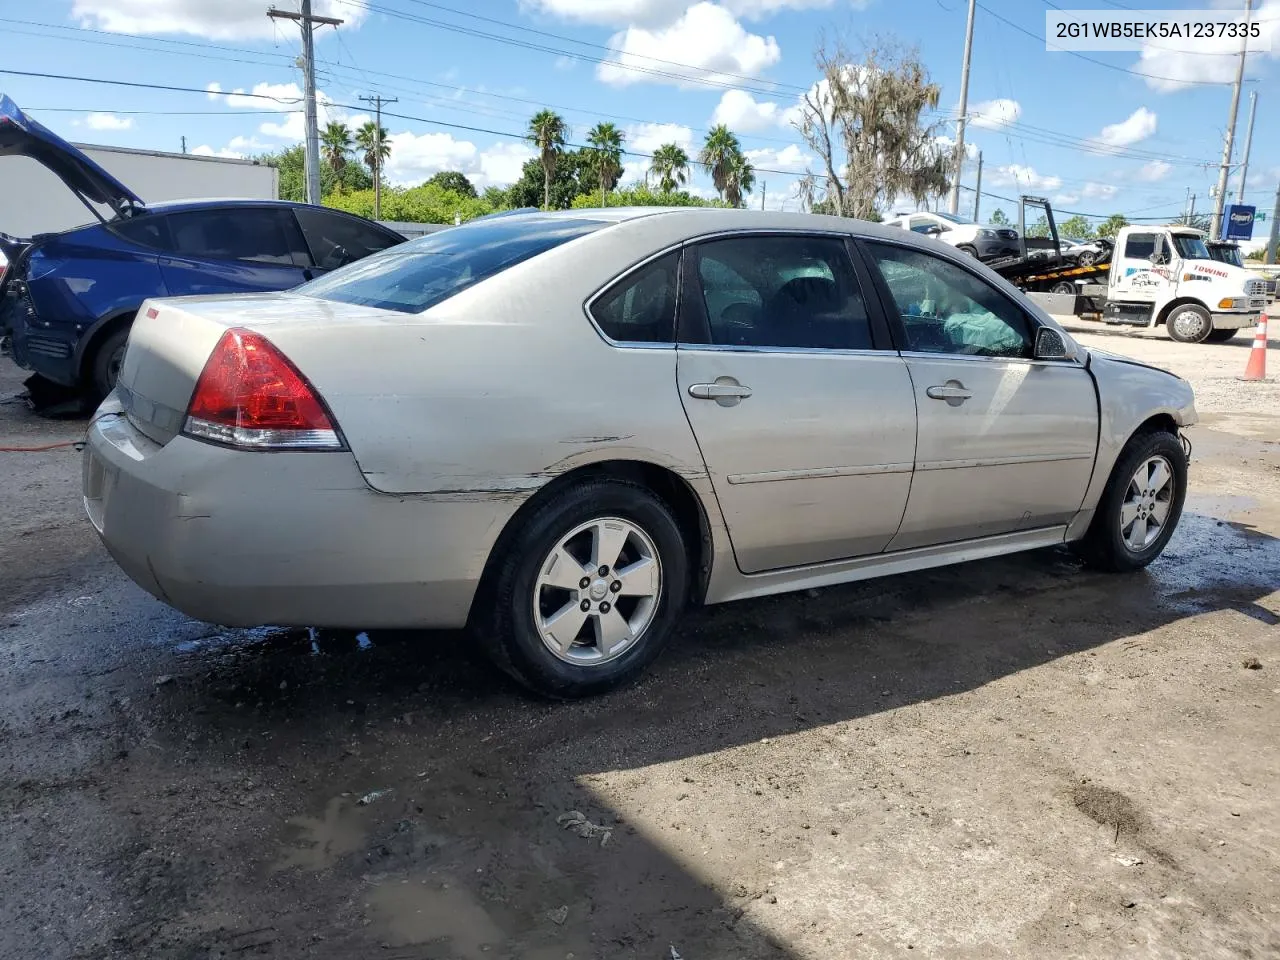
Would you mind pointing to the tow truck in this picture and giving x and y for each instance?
(1155, 275)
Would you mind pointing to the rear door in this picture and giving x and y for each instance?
(234, 250)
(1005, 443)
(803, 413)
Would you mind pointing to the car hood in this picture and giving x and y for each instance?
(1120, 358)
(24, 137)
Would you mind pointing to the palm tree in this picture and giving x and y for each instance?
(717, 150)
(739, 178)
(335, 144)
(606, 142)
(671, 166)
(374, 147)
(547, 130)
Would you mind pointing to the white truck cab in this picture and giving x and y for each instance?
(1166, 275)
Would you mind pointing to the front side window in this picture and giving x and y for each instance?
(782, 291)
(923, 224)
(946, 309)
(336, 239)
(641, 307)
(1140, 246)
(414, 276)
(226, 233)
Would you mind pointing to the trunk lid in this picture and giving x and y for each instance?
(22, 136)
(171, 340)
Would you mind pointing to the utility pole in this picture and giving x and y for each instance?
(1275, 231)
(764, 190)
(307, 22)
(953, 203)
(1225, 170)
(378, 100)
(184, 144)
(977, 194)
(1248, 144)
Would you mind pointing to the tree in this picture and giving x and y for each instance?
(497, 197)
(1040, 228)
(670, 165)
(606, 152)
(740, 179)
(374, 147)
(998, 218)
(455, 181)
(1112, 225)
(1197, 221)
(335, 145)
(1077, 228)
(717, 153)
(291, 164)
(641, 196)
(428, 203)
(546, 131)
(574, 174)
(864, 121)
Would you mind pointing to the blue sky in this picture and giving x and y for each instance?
(1095, 136)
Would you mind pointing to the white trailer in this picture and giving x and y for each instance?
(33, 200)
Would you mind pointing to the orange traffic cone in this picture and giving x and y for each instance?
(1257, 366)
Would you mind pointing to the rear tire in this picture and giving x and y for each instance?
(969, 249)
(106, 362)
(528, 616)
(1123, 536)
(1221, 336)
(1064, 287)
(1189, 323)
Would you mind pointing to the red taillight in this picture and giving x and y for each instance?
(249, 395)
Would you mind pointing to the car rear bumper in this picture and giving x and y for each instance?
(287, 539)
(48, 350)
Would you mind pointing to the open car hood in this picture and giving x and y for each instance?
(22, 136)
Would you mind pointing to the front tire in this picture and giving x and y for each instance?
(1140, 506)
(586, 593)
(1189, 323)
(969, 249)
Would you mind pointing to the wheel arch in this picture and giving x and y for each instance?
(1173, 304)
(88, 344)
(663, 482)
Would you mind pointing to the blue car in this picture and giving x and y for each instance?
(67, 299)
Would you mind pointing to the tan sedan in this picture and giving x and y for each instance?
(561, 430)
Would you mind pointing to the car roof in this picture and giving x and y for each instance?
(216, 203)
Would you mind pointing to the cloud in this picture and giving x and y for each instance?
(790, 159)
(1066, 198)
(221, 20)
(648, 137)
(107, 121)
(1017, 175)
(1173, 65)
(263, 96)
(204, 150)
(948, 147)
(1099, 191)
(1140, 125)
(661, 13)
(1155, 170)
(416, 157)
(707, 41)
(742, 113)
(994, 114)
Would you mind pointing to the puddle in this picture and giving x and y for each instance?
(417, 911)
(323, 841)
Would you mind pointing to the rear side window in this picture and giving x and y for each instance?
(260, 234)
(1140, 246)
(148, 231)
(336, 240)
(414, 276)
(641, 307)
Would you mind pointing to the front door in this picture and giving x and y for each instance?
(1135, 277)
(1004, 443)
(806, 427)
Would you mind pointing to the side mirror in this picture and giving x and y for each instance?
(1051, 345)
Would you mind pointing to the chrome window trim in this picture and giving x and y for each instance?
(928, 355)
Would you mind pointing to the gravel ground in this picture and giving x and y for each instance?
(1012, 758)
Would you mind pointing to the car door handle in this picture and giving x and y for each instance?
(953, 391)
(725, 391)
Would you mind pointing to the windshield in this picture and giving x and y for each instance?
(1226, 254)
(1191, 247)
(415, 276)
(953, 218)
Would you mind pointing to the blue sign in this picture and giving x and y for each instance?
(1237, 222)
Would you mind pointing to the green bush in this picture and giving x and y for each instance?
(429, 203)
(641, 196)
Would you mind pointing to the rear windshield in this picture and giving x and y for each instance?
(414, 276)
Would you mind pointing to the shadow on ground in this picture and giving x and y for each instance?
(388, 790)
